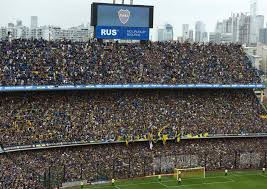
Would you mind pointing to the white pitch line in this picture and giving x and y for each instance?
(231, 179)
(117, 187)
(263, 175)
(163, 185)
(241, 175)
(219, 182)
(98, 187)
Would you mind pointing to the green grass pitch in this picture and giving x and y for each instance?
(213, 180)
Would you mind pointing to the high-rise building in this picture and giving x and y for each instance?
(79, 33)
(253, 15)
(23, 32)
(180, 39)
(191, 35)
(165, 33)
(185, 32)
(241, 28)
(18, 23)
(3, 33)
(205, 37)
(12, 31)
(34, 22)
(199, 30)
(198, 35)
(259, 25)
(236, 27)
(215, 37)
(219, 27)
(263, 35)
(36, 33)
(226, 37)
(168, 32)
(10, 25)
(160, 33)
(227, 25)
(244, 29)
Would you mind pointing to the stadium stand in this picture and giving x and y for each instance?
(33, 118)
(39, 62)
(123, 117)
(106, 161)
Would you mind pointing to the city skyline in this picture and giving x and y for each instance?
(78, 12)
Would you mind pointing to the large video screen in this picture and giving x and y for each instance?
(121, 15)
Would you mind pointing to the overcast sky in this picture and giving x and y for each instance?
(67, 13)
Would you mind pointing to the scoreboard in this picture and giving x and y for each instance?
(120, 21)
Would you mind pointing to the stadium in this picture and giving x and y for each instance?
(129, 114)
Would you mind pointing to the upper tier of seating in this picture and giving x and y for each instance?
(39, 62)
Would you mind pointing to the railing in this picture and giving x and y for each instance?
(128, 86)
(86, 143)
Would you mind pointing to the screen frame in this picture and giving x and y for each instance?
(94, 12)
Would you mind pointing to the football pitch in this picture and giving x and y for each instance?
(213, 180)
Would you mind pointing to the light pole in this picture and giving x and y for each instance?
(122, 2)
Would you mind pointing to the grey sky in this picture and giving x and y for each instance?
(66, 13)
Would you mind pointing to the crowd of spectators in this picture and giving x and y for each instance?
(40, 62)
(106, 161)
(13, 176)
(101, 116)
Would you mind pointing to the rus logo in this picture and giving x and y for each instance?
(109, 32)
(124, 15)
